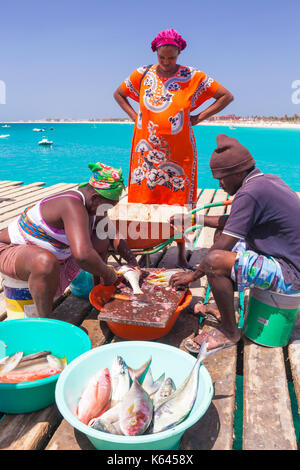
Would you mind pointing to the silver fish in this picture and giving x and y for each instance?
(136, 411)
(165, 390)
(151, 386)
(120, 380)
(178, 405)
(137, 373)
(133, 277)
(56, 362)
(10, 362)
(38, 355)
(108, 421)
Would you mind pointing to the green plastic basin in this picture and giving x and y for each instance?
(33, 335)
(176, 364)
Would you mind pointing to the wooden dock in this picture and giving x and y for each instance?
(270, 376)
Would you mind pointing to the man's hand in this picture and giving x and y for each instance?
(179, 279)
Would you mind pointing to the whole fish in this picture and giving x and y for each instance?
(109, 421)
(33, 367)
(137, 373)
(178, 405)
(10, 362)
(164, 391)
(133, 277)
(120, 380)
(151, 386)
(95, 398)
(136, 410)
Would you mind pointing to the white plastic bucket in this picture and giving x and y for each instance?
(18, 300)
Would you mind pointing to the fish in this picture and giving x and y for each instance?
(164, 391)
(120, 380)
(136, 411)
(31, 367)
(137, 373)
(175, 408)
(108, 421)
(10, 362)
(133, 277)
(95, 398)
(151, 386)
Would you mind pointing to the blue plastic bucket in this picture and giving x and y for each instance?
(176, 364)
(82, 285)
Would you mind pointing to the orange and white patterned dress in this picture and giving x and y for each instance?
(163, 165)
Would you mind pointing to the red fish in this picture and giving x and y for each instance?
(16, 375)
(95, 398)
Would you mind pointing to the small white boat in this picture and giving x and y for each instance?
(45, 141)
(232, 127)
(6, 125)
(38, 130)
(3, 136)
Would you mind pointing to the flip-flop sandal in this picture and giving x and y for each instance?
(206, 316)
(195, 350)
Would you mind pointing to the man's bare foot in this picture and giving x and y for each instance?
(214, 338)
(210, 311)
(203, 309)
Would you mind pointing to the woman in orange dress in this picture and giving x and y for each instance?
(163, 165)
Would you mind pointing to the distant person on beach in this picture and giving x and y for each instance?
(259, 245)
(53, 240)
(163, 165)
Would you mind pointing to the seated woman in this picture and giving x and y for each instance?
(53, 240)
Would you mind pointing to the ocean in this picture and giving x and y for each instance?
(77, 144)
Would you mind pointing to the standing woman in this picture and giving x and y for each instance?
(163, 164)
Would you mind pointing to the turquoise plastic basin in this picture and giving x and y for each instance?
(32, 335)
(175, 363)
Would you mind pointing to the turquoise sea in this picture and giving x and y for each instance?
(75, 145)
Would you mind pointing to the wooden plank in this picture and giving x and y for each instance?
(17, 196)
(214, 431)
(268, 421)
(4, 221)
(16, 207)
(19, 189)
(7, 184)
(294, 358)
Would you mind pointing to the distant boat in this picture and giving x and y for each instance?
(6, 125)
(3, 136)
(232, 127)
(39, 130)
(45, 141)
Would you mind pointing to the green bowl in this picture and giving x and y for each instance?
(175, 363)
(33, 335)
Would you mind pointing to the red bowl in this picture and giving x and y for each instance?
(101, 294)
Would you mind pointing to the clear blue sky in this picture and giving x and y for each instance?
(64, 58)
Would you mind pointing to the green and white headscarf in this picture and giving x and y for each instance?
(106, 180)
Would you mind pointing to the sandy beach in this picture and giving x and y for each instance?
(231, 124)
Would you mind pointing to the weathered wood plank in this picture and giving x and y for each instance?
(16, 197)
(8, 217)
(7, 184)
(14, 190)
(214, 431)
(15, 208)
(268, 422)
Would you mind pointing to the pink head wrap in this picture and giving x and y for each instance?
(168, 37)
